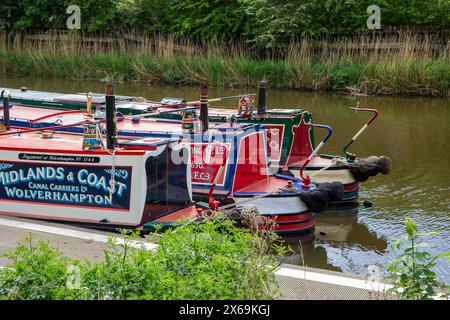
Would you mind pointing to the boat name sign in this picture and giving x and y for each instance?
(206, 159)
(67, 185)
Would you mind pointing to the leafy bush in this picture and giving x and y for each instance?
(412, 271)
(274, 23)
(264, 23)
(206, 19)
(214, 260)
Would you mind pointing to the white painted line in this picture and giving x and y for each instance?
(72, 233)
(332, 279)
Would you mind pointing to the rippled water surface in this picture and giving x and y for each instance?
(413, 132)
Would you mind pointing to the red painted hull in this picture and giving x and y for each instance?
(294, 223)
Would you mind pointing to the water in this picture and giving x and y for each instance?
(413, 132)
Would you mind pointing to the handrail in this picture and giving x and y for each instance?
(56, 114)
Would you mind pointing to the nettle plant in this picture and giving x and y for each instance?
(412, 271)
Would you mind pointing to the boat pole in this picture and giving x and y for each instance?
(350, 156)
(262, 97)
(196, 103)
(5, 97)
(110, 99)
(89, 104)
(157, 113)
(204, 120)
(306, 180)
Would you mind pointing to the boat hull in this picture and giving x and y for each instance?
(290, 214)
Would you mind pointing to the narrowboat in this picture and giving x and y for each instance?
(228, 161)
(51, 176)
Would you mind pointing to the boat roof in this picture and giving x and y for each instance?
(69, 117)
(21, 140)
(36, 142)
(59, 98)
(125, 102)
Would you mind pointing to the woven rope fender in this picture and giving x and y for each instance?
(317, 199)
(249, 217)
(364, 168)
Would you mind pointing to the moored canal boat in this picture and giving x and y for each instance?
(50, 176)
(232, 158)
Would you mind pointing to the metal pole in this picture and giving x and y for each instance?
(204, 120)
(6, 118)
(111, 141)
(89, 104)
(262, 97)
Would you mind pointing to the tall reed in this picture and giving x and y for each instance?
(404, 64)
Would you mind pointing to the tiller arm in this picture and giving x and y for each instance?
(350, 156)
(214, 204)
(306, 179)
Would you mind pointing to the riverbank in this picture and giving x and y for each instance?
(410, 68)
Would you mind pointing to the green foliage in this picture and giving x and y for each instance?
(42, 14)
(411, 271)
(263, 23)
(275, 23)
(38, 272)
(206, 19)
(214, 260)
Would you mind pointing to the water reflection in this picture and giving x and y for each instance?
(337, 226)
(338, 241)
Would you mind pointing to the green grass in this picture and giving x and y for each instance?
(213, 260)
(373, 72)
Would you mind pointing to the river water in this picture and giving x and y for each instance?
(413, 132)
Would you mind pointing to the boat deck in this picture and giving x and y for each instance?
(270, 183)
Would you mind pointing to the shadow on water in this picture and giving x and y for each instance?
(336, 228)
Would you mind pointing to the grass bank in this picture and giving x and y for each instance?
(410, 66)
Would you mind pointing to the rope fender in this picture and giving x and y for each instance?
(364, 168)
(317, 199)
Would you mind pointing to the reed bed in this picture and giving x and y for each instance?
(404, 64)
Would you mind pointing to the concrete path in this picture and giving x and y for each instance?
(299, 283)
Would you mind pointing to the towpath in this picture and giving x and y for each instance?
(295, 282)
